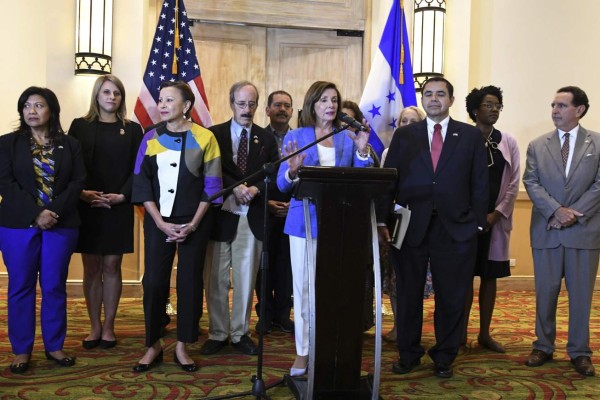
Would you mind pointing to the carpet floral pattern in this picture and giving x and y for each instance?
(478, 373)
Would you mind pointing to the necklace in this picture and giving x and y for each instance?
(489, 143)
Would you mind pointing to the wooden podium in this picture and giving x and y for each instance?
(345, 248)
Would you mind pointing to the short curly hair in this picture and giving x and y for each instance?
(476, 96)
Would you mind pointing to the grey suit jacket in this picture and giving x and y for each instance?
(549, 188)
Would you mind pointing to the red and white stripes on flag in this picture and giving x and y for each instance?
(172, 57)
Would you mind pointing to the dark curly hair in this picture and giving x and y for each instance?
(476, 96)
(54, 127)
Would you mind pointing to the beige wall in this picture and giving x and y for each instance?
(38, 49)
(529, 48)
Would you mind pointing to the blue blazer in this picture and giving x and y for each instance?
(345, 156)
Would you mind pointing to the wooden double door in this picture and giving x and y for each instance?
(274, 59)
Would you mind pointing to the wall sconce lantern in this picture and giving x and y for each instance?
(93, 37)
(428, 37)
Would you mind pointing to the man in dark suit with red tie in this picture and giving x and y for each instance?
(236, 238)
(443, 180)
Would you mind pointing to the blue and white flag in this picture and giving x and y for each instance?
(390, 86)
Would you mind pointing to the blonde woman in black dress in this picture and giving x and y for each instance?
(109, 145)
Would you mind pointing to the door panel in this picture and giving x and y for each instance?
(274, 59)
(227, 54)
(297, 58)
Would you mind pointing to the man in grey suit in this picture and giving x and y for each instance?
(562, 178)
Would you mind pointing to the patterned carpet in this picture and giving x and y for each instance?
(478, 374)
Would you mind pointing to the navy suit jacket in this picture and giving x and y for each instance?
(262, 149)
(18, 207)
(457, 190)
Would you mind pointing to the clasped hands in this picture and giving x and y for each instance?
(244, 194)
(563, 217)
(46, 220)
(101, 200)
(176, 232)
(278, 208)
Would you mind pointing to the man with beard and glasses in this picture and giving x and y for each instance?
(237, 234)
(278, 288)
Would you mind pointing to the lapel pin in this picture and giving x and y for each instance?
(587, 142)
(455, 134)
(121, 131)
(60, 147)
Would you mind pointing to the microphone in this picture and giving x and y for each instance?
(345, 118)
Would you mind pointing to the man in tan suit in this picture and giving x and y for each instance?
(562, 179)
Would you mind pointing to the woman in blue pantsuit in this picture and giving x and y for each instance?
(41, 177)
(320, 117)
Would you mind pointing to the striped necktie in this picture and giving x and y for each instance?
(564, 151)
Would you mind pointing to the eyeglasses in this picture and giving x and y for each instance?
(243, 104)
(489, 106)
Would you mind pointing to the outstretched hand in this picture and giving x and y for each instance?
(294, 162)
(361, 138)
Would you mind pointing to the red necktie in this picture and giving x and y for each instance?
(242, 155)
(436, 145)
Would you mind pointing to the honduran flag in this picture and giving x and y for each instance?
(172, 57)
(390, 86)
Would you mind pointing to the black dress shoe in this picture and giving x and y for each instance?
(443, 370)
(63, 362)
(538, 358)
(90, 344)
(145, 367)
(107, 344)
(186, 367)
(20, 368)
(583, 365)
(212, 346)
(401, 367)
(263, 326)
(286, 325)
(246, 346)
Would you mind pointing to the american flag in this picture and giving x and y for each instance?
(172, 57)
(390, 86)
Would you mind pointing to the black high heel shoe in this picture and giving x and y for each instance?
(63, 362)
(90, 344)
(20, 368)
(186, 367)
(145, 367)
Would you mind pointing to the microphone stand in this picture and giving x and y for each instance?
(258, 385)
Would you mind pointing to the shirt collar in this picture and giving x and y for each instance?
(444, 123)
(573, 132)
(237, 128)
